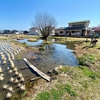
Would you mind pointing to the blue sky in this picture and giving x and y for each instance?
(18, 14)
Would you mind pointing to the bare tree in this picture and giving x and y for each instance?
(45, 24)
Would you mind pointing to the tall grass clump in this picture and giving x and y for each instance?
(86, 59)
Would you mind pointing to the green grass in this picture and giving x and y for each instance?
(68, 88)
(86, 71)
(43, 96)
(24, 93)
(57, 94)
(86, 59)
(64, 69)
(81, 76)
(25, 45)
(18, 57)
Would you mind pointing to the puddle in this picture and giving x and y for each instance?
(39, 42)
(53, 55)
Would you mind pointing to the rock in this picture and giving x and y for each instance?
(60, 66)
(56, 69)
(55, 72)
(50, 72)
(54, 77)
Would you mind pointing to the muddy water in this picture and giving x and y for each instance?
(52, 56)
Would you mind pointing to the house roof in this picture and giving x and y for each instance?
(80, 21)
(61, 28)
(75, 28)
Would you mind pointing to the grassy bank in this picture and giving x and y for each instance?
(73, 83)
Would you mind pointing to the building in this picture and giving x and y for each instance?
(60, 31)
(25, 32)
(15, 31)
(34, 31)
(79, 28)
(5, 32)
(53, 32)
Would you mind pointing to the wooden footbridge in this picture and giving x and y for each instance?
(46, 77)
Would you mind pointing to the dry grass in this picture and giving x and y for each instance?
(83, 82)
(72, 83)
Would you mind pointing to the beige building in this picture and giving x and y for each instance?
(79, 28)
(60, 31)
(34, 31)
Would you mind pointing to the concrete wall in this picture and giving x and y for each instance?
(86, 24)
(60, 32)
(76, 34)
(53, 32)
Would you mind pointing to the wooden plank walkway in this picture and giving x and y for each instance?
(48, 78)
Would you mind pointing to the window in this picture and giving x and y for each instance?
(77, 25)
(61, 31)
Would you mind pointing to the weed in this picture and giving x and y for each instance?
(86, 59)
(85, 84)
(93, 76)
(41, 48)
(18, 57)
(68, 88)
(81, 67)
(88, 72)
(75, 76)
(56, 94)
(97, 74)
(25, 45)
(63, 69)
(43, 96)
(28, 98)
(24, 93)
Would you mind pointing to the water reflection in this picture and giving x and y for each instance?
(53, 55)
(39, 42)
